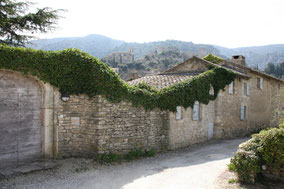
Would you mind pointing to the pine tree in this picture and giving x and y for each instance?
(17, 26)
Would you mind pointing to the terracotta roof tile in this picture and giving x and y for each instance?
(163, 80)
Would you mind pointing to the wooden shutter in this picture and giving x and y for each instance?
(211, 91)
(247, 90)
(260, 83)
(195, 111)
(178, 113)
(231, 87)
(242, 113)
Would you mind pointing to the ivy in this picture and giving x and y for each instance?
(212, 58)
(77, 73)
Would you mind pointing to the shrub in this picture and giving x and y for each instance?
(264, 150)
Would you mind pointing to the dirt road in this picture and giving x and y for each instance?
(194, 167)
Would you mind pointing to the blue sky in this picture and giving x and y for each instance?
(228, 23)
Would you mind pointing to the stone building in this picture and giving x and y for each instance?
(245, 106)
(120, 57)
(37, 121)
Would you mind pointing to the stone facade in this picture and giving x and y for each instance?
(106, 127)
(186, 131)
(258, 103)
(86, 126)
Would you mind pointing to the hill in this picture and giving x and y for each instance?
(96, 45)
(100, 46)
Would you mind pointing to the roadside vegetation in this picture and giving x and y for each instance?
(132, 155)
(260, 158)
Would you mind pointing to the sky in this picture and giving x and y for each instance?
(227, 23)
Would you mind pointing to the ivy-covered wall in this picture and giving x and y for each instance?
(76, 72)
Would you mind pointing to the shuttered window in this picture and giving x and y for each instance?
(178, 113)
(211, 91)
(196, 111)
(259, 83)
(246, 89)
(243, 112)
(231, 88)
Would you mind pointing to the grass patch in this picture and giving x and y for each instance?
(132, 155)
(231, 181)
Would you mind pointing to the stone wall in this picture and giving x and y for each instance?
(106, 127)
(186, 131)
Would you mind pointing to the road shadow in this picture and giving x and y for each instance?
(119, 175)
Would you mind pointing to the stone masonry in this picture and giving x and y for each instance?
(107, 127)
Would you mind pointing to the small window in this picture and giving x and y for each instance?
(196, 111)
(178, 113)
(259, 83)
(231, 88)
(246, 89)
(279, 86)
(243, 113)
(211, 91)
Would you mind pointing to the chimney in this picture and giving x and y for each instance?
(239, 59)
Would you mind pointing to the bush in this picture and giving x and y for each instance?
(264, 151)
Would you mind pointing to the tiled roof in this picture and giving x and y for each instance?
(163, 80)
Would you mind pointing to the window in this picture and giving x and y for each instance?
(246, 89)
(259, 83)
(231, 88)
(196, 111)
(243, 112)
(211, 91)
(178, 113)
(279, 86)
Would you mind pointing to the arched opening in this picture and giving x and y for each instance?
(21, 118)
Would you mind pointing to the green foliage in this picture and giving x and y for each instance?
(107, 158)
(76, 72)
(265, 148)
(14, 22)
(231, 181)
(212, 58)
(138, 153)
(131, 155)
(276, 70)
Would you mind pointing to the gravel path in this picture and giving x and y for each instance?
(198, 166)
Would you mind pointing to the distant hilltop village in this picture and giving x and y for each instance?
(157, 60)
(120, 57)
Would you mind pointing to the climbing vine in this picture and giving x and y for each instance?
(212, 58)
(77, 72)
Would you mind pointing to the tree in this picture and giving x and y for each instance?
(276, 70)
(17, 26)
(270, 68)
(278, 104)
